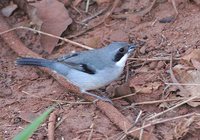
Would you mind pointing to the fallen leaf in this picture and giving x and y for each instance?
(8, 10)
(196, 64)
(197, 2)
(76, 2)
(30, 11)
(55, 19)
(147, 88)
(92, 41)
(191, 81)
(182, 128)
(194, 54)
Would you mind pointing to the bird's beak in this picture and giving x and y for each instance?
(131, 48)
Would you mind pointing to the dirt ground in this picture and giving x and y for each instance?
(26, 92)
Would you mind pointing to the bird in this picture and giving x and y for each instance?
(88, 70)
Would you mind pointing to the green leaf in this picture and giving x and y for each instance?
(31, 128)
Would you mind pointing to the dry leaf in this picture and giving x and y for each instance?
(31, 12)
(196, 64)
(197, 2)
(190, 77)
(8, 10)
(76, 2)
(194, 54)
(92, 41)
(182, 128)
(147, 88)
(55, 19)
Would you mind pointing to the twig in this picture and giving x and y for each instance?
(165, 111)
(147, 10)
(93, 16)
(124, 96)
(174, 6)
(51, 125)
(91, 132)
(138, 116)
(155, 102)
(163, 121)
(87, 6)
(141, 131)
(53, 100)
(183, 84)
(116, 2)
(47, 34)
(96, 131)
(154, 59)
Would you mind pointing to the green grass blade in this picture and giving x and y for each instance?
(31, 128)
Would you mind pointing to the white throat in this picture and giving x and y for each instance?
(122, 61)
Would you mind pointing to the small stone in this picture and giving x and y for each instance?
(143, 50)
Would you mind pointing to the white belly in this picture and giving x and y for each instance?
(94, 81)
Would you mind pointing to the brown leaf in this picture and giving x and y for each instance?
(197, 2)
(55, 19)
(147, 88)
(191, 81)
(182, 128)
(196, 64)
(31, 12)
(76, 2)
(8, 10)
(194, 54)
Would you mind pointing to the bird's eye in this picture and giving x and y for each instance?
(121, 50)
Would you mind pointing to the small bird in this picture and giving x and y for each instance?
(88, 70)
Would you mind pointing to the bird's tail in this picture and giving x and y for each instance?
(34, 62)
(51, 64)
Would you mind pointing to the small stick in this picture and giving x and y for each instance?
(116, 2)
(156, 101)
(147, 10)
(53, 100)
(87, 6)
(91, 132)
(154, 59)
(47, 34)
(93, 16)
(163, 121)
(174, 6)
(51, 125)
(165, 111)
(141, 131)
(183, 84)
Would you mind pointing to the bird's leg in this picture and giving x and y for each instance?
(98, 97)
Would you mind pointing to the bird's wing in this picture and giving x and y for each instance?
(73, 61)
(65, 57)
